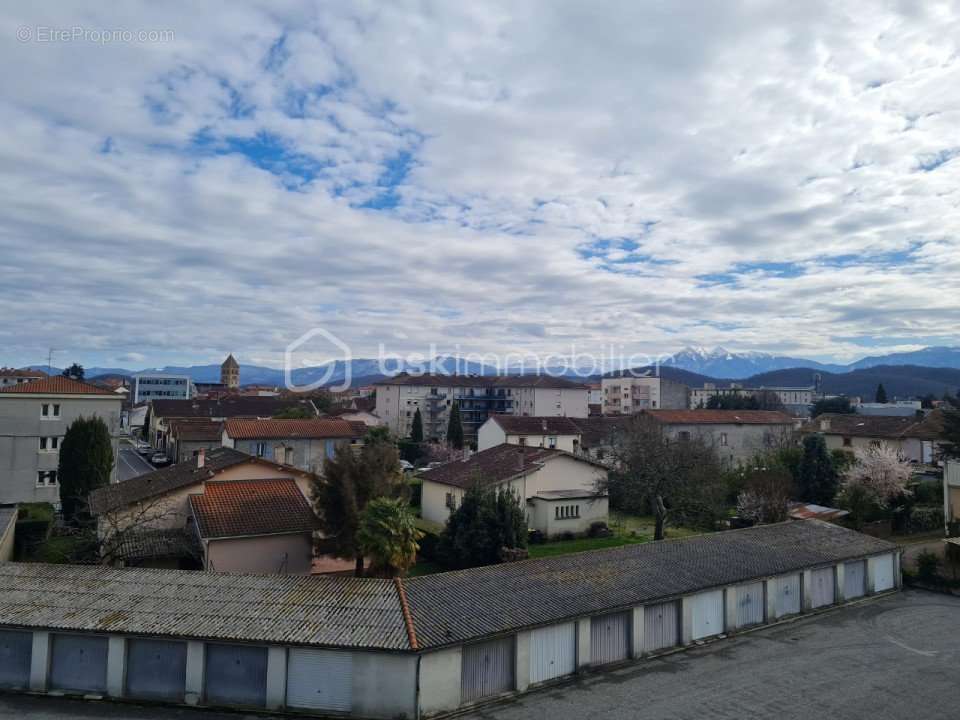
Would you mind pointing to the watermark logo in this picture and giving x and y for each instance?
(315, 360)
(320, 359)
(96, 36)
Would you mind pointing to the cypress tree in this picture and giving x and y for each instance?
(86, 461)
(416, 432)
(881, 394)
(455, 429)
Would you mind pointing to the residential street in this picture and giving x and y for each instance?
(131, 463)
(890, 659)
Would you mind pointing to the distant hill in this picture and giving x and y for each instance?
(900, 381)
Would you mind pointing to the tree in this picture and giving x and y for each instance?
(760, 400)
(950, 432)
(817, 479)
(75, 372)
(145, 430)
(349, 482)
(677, 478)
(294, 412)
(86, 462)
(832, 405)
(881, 396)
(878, 476)
(416, 432)
(455, 429)
(388, 535)
(485, 524)
(767, 488)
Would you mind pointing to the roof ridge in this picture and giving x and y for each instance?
(407, 617)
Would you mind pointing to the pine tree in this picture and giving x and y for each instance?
(455, 429)
(86, 461)
(75, 372)
(881, 396)
(416, 432)
(817, 479)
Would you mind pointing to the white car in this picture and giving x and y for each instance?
(159, 459)
(406, 466)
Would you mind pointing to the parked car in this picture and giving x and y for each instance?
(159, 459)
(144, 448)
(406, 466)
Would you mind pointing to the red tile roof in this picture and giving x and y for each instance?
(240, 429)
(15, 372)
(195, 429)
(240, 508)
(58, 385)
(494, 465)
(720, 417)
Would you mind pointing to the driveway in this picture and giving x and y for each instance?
(884, 660)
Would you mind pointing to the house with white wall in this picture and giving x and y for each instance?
(555, 433)
(916, 437)
(558, 489)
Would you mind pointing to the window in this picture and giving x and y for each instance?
(723, 439)
(523, 441)
(451, 501)
(50, 410)
(47, 478)
(49, 444)
(261, 449)
(847, 442)
(551, 442)
(565, 512)
(684, 434)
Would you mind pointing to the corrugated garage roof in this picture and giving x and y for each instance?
(457, 606)
(444, 609)
(320, 610)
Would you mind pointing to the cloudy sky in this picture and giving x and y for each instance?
(477, 175)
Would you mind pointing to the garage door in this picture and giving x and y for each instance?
(661, 623)
(750, 604)
(610, 638)
(487, 669)
(553, 652)
(156, 669)
(320, 679)
(16, 649)
(786, 595)
(235, 675)
(854, 579)
(707, 610)
(822, 593)
(78, 663)
(882, 568)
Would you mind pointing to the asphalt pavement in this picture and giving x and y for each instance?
(887, 659)
(131, 463)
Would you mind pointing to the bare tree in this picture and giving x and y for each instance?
(129, 525)
(765, 494)
(678, 479)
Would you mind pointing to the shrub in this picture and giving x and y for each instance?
(928, 563)
(599, 528)
(566, 536)
(536, 537)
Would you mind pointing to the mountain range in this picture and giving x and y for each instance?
(717, 365)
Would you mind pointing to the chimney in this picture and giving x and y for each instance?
(201, 458)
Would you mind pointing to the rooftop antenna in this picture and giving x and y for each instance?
(50, 359)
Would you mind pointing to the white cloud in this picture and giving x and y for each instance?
(781, 145)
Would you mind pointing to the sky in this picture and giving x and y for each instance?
(183, 180)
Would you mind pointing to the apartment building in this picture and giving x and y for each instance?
(34, 417)
(626, 395)
(13, 376)
(477, 397)
(795, 399)
(160, 386)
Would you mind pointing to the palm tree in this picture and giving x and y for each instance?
(388, 535)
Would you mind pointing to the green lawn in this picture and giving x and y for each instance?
(565, 547)
(622, 524)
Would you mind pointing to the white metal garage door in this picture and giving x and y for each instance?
(16, 649)
(156, 669)
(78, 663)
(750, 604)
(609, 638)
(487, 669)
(235, 675)
(661, 623)
(822, 593)
(707, 614)
(553, 652)
(787, 597)
(320, 679)
(854, 579)
(882, 568)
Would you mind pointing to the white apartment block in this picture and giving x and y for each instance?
(34, 417)
(791, 397)
(160, 386)
(628, 395)
(478, 397)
